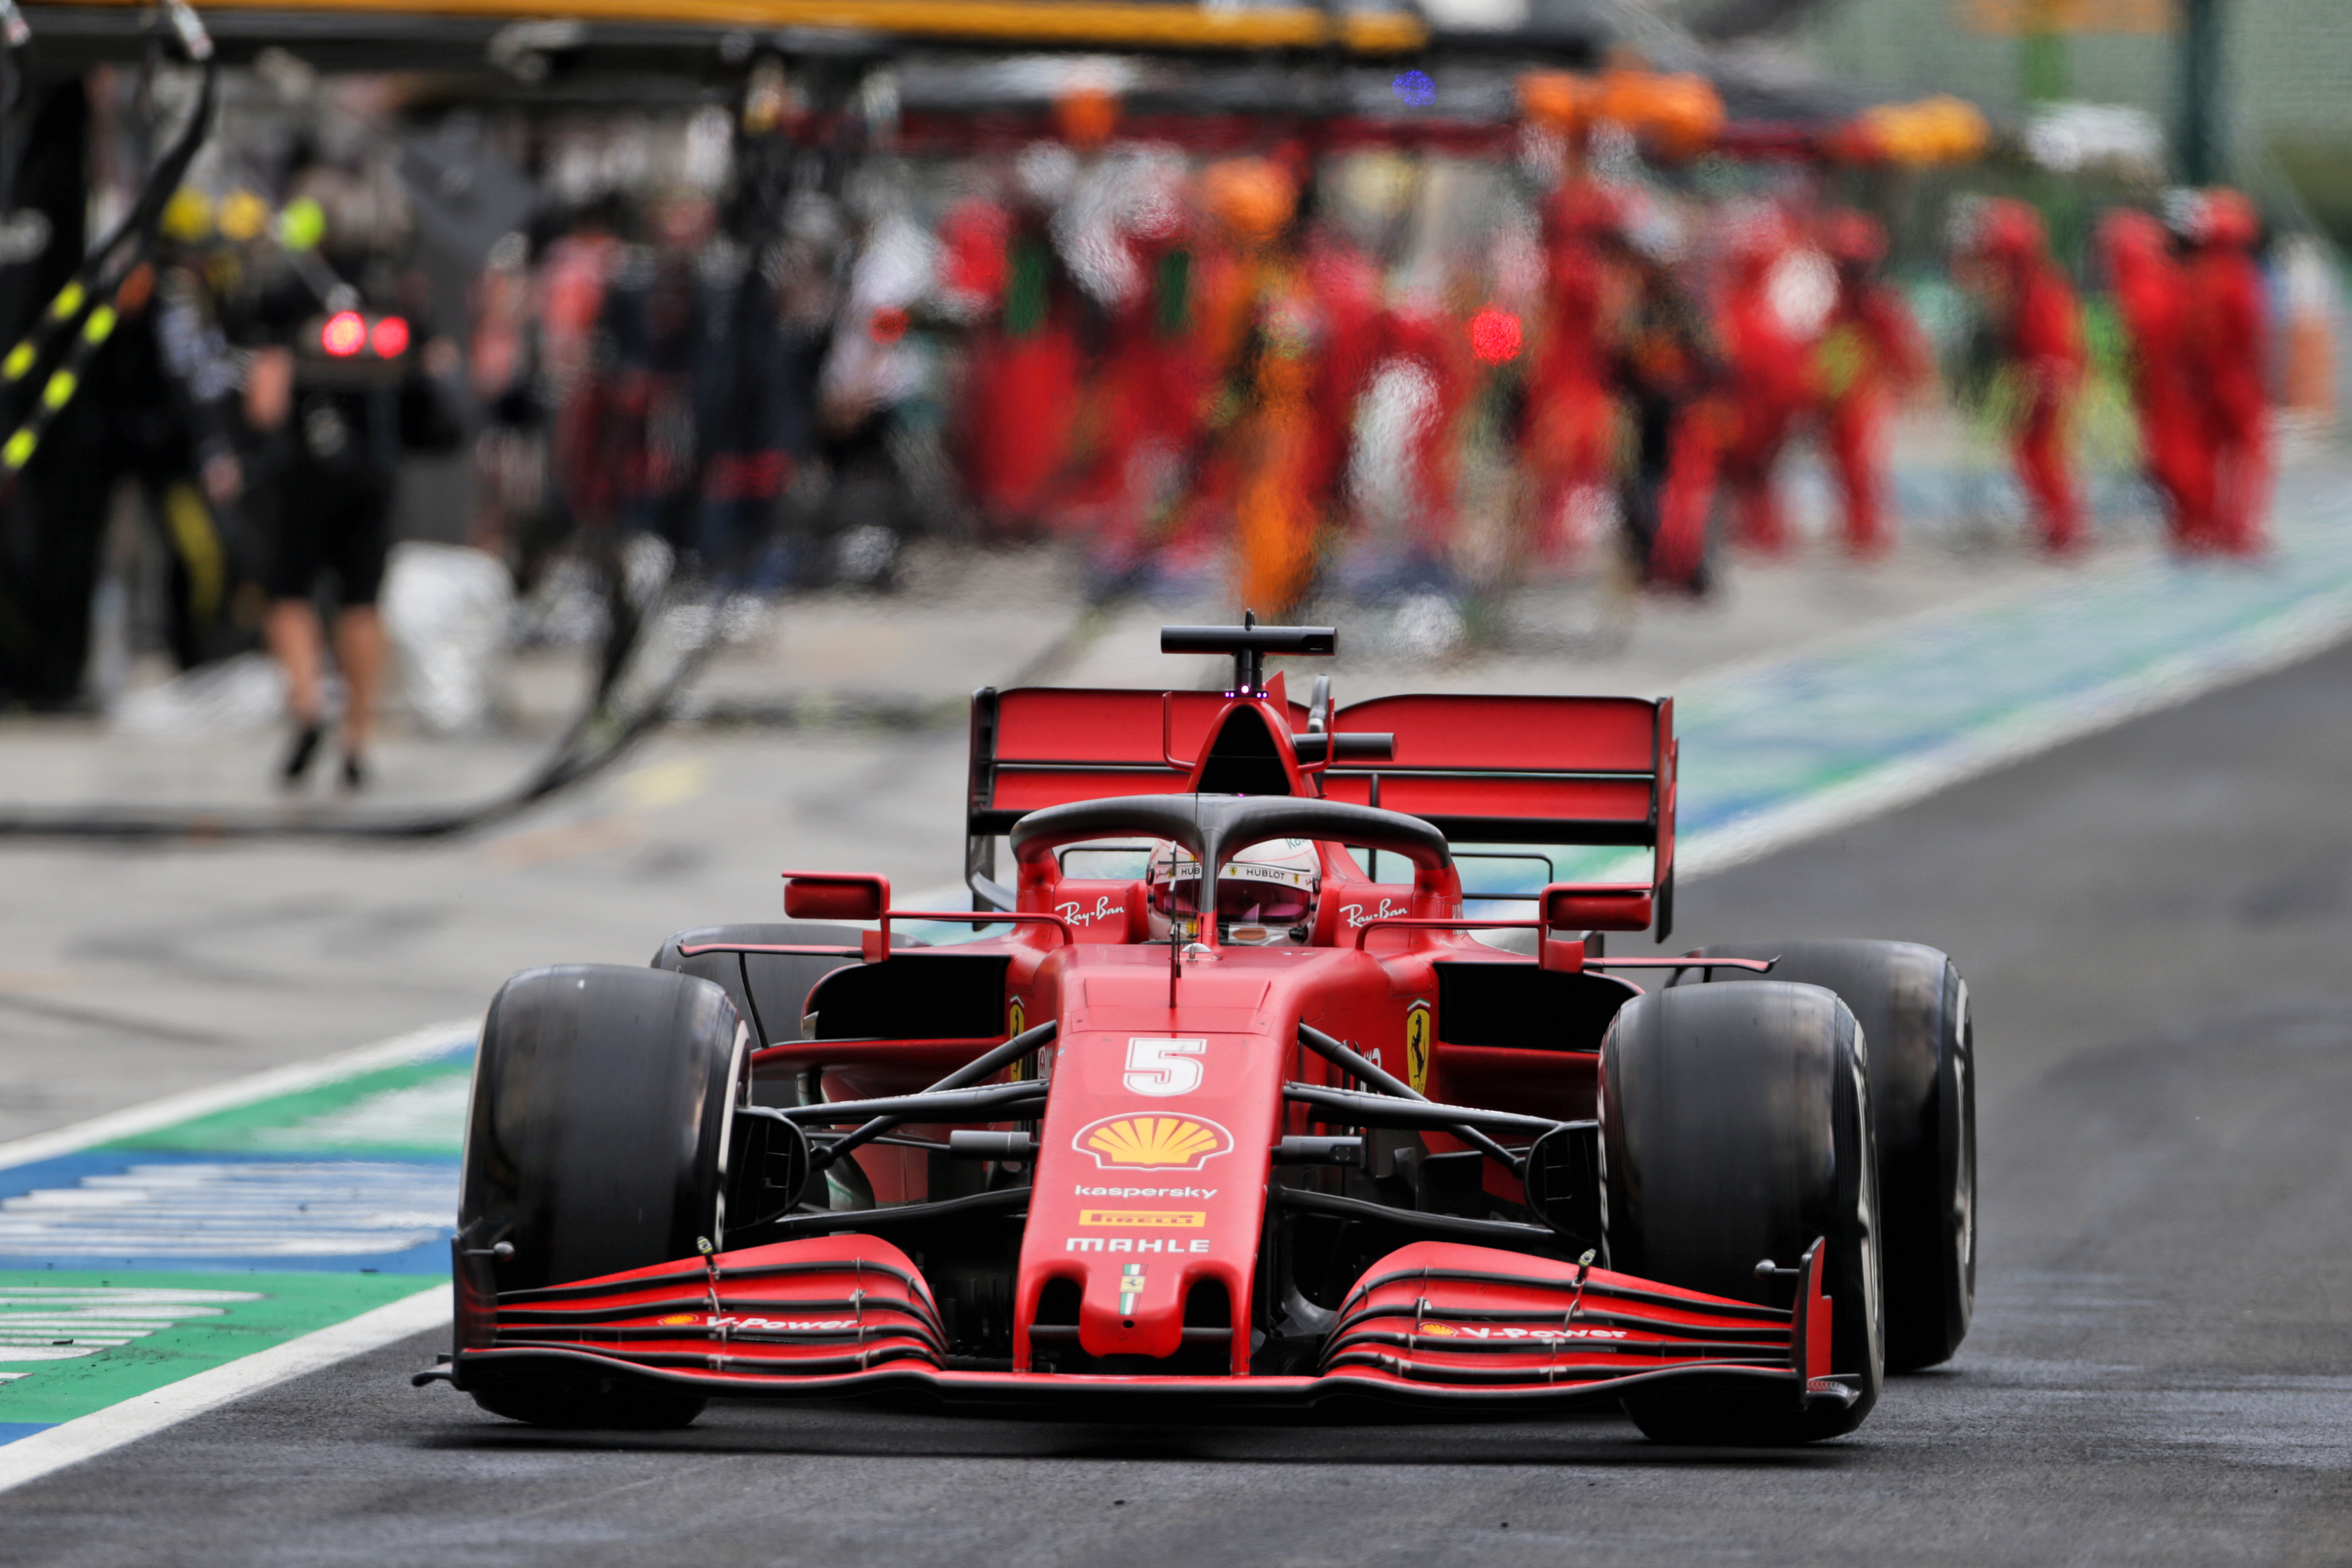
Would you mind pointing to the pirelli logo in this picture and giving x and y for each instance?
(1143, 1219)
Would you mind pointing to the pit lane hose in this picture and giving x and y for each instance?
(603, 730)
(83, 313)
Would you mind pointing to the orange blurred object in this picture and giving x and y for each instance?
(1254, 197)
(1559, 100)
(1086, 116)
(1676, 115)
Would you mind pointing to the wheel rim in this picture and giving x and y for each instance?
(1964, 1186)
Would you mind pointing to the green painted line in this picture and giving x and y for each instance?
(416, 1109)
(230, 1316)
(154, 1247)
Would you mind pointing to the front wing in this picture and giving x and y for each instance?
(1434, 1325)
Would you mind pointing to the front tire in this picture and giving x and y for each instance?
(596, 1142)
(1912, 1007)
(1736, 1126)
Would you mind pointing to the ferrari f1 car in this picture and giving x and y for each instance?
(1230, 1099)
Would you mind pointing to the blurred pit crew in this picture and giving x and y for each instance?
(330, 416)
(1871, 353)
(2229, 349)
(2038, 324)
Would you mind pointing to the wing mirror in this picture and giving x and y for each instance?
(1597, 905)
(835, 896)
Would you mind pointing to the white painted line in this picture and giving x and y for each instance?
(415, 1046)
(87, 1437)
(2274, 646)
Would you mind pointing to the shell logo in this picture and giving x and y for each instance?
(1146, 1142)
(676, 1319)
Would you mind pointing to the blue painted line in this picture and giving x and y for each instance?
(12, 1430)
(198, 1221)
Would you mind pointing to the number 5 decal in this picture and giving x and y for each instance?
(1163, 1066)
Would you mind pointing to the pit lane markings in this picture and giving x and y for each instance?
(1779, 751)
(40, 1453)
(165, 1260)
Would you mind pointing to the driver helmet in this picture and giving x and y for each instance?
(1265, 892)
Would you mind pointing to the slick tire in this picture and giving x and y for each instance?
(596, 1141)
(1736, 1126)
(1912, 1007)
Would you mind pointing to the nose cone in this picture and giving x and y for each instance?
(1150, 1184)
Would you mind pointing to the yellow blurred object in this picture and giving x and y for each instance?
(188, 217)
(769, 101)
(1686, 116)
(190, 524)
(1105, 24)
(301, 224)
(242, 216)
(1085, 117)
(1253, 197)
(1939, 129)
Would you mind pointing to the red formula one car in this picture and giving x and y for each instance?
(1226, 1101)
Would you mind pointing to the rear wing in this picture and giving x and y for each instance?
(1551, 771)
(1037, 746)
(1566, 770)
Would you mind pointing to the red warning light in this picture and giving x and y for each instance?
(344, 334)
(391, 337)
(1495, 336)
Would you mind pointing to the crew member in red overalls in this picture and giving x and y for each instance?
(1570, 421)
(2040, 332)
(1770, 381)
(1871, 353)
(2151, 296)
(2229, 343)
(1021, 393)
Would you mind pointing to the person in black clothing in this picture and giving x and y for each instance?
(330, 455)
(1668, 369)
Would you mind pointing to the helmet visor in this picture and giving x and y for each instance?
(1272, 895)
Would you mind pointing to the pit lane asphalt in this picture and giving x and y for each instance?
(2154, 923)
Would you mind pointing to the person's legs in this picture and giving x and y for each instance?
(2043, 473)
(294, 642)
(1679, 554)
(2243, 462)
(2180, 461)
(1856, 438)
(359, 655)
(362, 543)
(292, 630)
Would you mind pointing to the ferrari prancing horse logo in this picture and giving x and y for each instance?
(1417, 1033)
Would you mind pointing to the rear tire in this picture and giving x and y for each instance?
(1912, 1007)
(596, 1142)
(1734, 1126)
